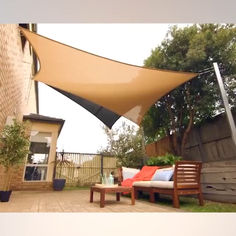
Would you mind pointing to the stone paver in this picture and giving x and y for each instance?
(75, 201)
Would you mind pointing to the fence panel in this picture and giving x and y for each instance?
(85, 169)
(212, 144)
(159, 148)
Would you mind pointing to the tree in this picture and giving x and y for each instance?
(14, 146)
(126, 143)
(193, 49)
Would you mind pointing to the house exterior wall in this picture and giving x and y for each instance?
(18, 182)
(17, 89)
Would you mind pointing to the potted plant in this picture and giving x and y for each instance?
(14, 146)
(60, 164)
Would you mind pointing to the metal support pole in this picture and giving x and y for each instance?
(226, 103)
(101, 164)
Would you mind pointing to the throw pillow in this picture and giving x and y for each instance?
(163, 175)
(129, 173)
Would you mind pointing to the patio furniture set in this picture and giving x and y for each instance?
(182, 179)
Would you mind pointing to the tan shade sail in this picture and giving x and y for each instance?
(107, 88)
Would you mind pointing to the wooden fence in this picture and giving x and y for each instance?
(159, 148)
(212, 144)
(85, 169)
(219, 181)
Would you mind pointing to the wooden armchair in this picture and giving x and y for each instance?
(186, 181)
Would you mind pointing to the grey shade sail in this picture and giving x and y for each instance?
(105, 115)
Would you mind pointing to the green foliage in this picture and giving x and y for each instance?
(14, 144)
(192, 49)
(126, 144)
(168, 159)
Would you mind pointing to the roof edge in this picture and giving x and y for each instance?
(45, 119)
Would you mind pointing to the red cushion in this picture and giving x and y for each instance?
(144, 174)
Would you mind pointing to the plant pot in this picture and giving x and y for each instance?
(59, 184)
(5, 195)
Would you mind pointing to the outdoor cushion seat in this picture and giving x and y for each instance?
(142, 183)
(162, 184)
(186, 181)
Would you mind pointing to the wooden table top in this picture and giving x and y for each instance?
(102, 186)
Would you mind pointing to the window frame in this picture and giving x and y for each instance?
(38, 165)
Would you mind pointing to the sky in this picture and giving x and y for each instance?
(128, 43)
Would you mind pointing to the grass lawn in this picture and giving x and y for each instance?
(187, 204)
(76, 188)
(190, 204)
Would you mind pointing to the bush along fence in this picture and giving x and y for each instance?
(85, 169)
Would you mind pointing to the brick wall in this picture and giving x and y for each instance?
(17, 90)
(17, 182)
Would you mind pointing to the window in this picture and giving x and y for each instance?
(37, 160)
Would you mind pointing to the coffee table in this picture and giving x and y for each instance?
(103, 189)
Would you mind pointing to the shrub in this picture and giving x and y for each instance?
(14, 147)
(167, 159)
(126, 144)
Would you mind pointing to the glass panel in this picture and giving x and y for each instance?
(38, 153)
(41, 137)
(39, 147)
(35, 173)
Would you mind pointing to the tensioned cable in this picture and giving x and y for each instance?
(207, 70)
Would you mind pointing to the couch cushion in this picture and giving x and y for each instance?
(163, 174)
(128, 173)
(142, 183)
(162, 184)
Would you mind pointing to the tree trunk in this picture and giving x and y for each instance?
(190, 122)
(186, 133)
(175, 144)
(7, 180)
(174, 137)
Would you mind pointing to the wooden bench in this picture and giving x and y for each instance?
(186, 181)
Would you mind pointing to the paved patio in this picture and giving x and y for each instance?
(75, 201)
